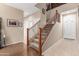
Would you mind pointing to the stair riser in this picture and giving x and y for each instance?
(37, 41)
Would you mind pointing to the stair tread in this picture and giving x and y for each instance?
(45, 31)
(43, 36)
(48, 25)
(37, 41)
(34, 45)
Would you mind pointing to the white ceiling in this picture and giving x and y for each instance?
(28, 8)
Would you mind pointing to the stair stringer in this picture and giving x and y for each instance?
(54, 35)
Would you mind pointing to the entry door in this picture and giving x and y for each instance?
(69, 25)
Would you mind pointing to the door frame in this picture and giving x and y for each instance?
(63, 13)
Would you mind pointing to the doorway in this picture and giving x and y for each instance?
(69, 25)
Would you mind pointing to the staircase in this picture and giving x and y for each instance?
(38, 40)
(46, 30)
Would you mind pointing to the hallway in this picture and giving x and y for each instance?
(64, 47)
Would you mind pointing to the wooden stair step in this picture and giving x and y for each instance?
(36, 41)
(43, 36)
(49, 25)
(45, 28)
(34, 45)
(46, 31)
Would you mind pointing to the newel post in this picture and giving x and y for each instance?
(27, 37)
(40, 41)
(57, 16)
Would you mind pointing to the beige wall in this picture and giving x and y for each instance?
(13, 34)
(57, 35)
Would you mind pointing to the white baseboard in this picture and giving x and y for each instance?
(14, 43)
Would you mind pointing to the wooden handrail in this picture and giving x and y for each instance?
(47, 22)
(52, 19)
(40, 32)
(40, 42)
(34, 25)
